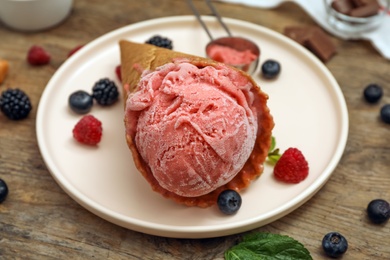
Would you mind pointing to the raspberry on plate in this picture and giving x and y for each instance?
(88, 130)
(38, 56)
(292, 166)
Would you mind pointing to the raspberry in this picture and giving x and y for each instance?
(74, 50)
(118, 72)
(38, 56)
(105, 92)
(292, 166)
(160, 41)
(15, 104)
(88, 130)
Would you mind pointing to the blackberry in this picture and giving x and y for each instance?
(378, 211)
(105, 92)
(160, 41)
(334, 244)
(15, 104)
(385, 113)
(229, 202)
(372, 93)
(270, 69)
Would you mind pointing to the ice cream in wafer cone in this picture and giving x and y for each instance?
(195, 127)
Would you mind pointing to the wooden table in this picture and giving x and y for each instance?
(39, 221)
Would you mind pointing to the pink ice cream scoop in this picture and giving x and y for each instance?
(194, 127)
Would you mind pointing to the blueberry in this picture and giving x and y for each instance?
(378, 211)
(385, 113)
(270, 69)
(80, 102)
(372, 93)
(3, 190)
(334, 244)
(229, 201)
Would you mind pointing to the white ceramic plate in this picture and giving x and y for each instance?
(307, 104)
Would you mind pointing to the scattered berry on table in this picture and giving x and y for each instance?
(38, 56)
(373, 93)
(3, 70)
(291, 167)
(80, 102)
(385, 113)
(229, 202)
(105, 92)
(3, 190)
(378, 211)
(118, 72)
(74, 50)
(270, 69)
(15, 104)
(88, 130)
(334, 244)
(160, 41)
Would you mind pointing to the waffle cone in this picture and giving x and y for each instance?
(136, 58)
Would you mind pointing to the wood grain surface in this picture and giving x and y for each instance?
(39, 221)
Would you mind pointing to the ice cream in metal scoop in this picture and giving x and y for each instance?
(236, 51)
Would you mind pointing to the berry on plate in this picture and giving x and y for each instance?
(38, 56)
(15, 104)
(378, 211)
(88, 130)
(118, 72)
(229, 202)
(270, 69)
(160, 41)
(105, 92)
(334, 244)
(80, 102)
(291, 167)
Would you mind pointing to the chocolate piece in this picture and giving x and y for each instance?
(342, 6)
(365, 10)
(358, 3)
(313, 38)
(321, 45)
(298, 33)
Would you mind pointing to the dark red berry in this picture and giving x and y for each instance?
(118, 72)
(291, 167)
(88, 130)
(38, 56)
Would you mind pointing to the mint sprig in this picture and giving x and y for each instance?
(273, 153)
(268, 246)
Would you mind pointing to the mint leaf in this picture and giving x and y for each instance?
(273, 154)
(267, 246)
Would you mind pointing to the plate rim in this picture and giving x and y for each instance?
(192, 231)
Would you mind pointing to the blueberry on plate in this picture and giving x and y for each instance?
(229, 202)
(80, 102)
(3, 190)
(270, 69)
(385, 113)
(373, 93)
(334, 244)
(378, 211)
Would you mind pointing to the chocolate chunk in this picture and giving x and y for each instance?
(365, 10)
(358, 3)
(314, 39)
(342, 6)
(321, 45)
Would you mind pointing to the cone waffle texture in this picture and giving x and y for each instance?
(136, 58)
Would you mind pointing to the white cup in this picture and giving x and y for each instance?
(34, 15)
